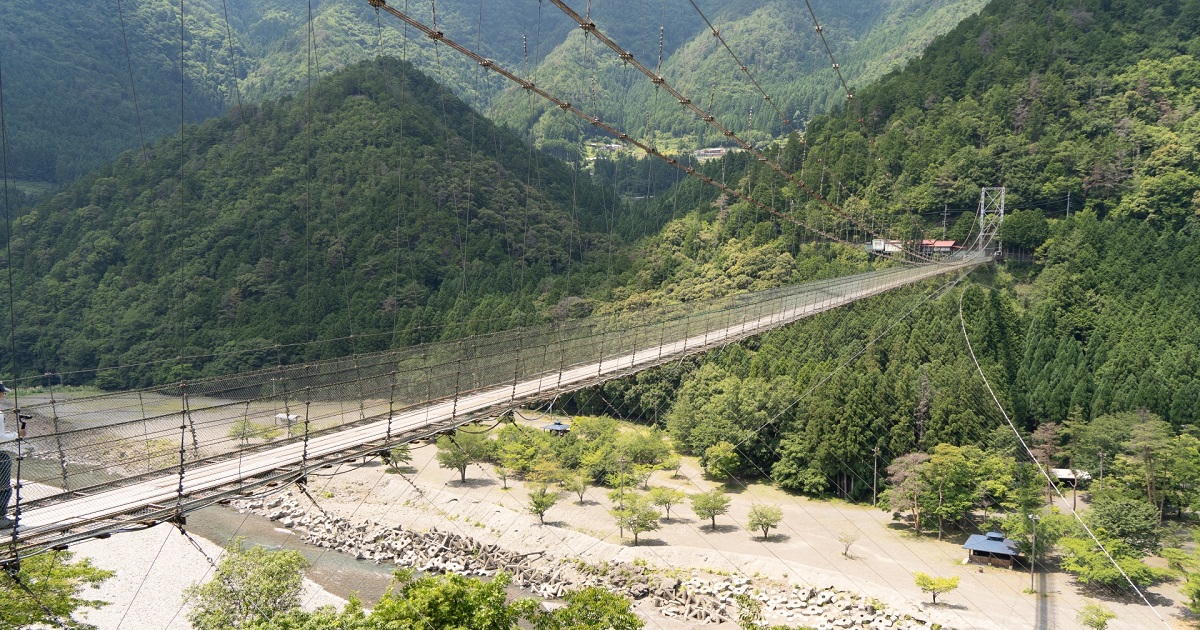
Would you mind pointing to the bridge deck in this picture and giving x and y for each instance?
(95, 511)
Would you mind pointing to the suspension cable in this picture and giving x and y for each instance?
(529, 86)
(589, 27)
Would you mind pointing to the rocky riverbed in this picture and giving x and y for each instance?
(693, 597)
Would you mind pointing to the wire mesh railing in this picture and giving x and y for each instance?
(77, 447)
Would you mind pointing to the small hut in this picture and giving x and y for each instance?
(1071, 477)
(558, 427)
(992, 549)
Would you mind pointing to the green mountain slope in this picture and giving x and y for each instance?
(69, 99)
(776, 41)
(1043, 97)
(68, 103)
(386, 210)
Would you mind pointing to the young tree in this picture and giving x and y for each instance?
(906, 486)
(665, 498)
(268, 432)
(637, 515)
(847, 539)
(640, 474)
(57, 582)
(764, 517)
(461, 450)
(710, 505)
(399, 457)
(249, 585)
(576, 483)
(541, 499)
(721, 461)
(673, 463)
(242, 431)
(503, 473)
(1095, 616)
(935, 585)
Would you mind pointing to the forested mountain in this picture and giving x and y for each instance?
(385, 208)
(776, 40)
(1043, 97)
(70, 106)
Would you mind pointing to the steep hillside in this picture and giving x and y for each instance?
(777, 42)
(1095, 98)
(386, 210)
(70, 104)
(1041, 96)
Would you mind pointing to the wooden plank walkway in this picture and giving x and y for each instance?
(159, 498)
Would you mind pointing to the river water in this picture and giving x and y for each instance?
(336, 572)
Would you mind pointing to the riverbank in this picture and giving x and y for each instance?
(153, 567)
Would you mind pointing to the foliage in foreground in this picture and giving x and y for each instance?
(458, 602)
(58, 583)
(251, 585)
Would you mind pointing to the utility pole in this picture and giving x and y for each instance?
(1033, 552)
(1101, 470)
(945, 208)
(1068, 204)
(874, 476)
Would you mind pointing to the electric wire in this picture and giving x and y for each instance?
(1046, 474)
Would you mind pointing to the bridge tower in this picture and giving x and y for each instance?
(991, 214)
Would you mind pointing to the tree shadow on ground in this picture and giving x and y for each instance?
(403, 470)
(943, 606)
(720, 529)
(1109, 594)
(472, 483)
(777, 537)
(645, 542)
(677, 520)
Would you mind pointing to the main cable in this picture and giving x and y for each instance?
(589, 27)
(529, 86)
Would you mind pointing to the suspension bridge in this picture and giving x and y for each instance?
(95, 465)
(107, 463)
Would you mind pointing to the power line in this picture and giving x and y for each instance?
(1045, 473)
